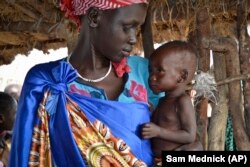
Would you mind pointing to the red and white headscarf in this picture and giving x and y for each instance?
(75, 8)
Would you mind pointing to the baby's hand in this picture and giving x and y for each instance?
(150, 130)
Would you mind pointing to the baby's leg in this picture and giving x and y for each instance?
(195, 146)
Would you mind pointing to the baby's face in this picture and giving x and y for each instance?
(163, 72)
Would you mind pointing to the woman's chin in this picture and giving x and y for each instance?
(120, 59)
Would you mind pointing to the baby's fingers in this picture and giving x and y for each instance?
(146, 134)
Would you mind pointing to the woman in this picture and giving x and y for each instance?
(87, 110)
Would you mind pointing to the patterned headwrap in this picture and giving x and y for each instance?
(75, 8)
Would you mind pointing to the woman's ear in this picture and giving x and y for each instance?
(183, 76)
(93, 17)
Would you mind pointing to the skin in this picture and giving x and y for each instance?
(105, 36)
(173, 122)
(8, 106)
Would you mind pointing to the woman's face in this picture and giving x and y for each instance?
(115, 35)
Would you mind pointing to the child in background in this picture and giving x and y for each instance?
(14, 90)
(172, 67)
(8, 106)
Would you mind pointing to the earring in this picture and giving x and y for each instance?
(93, 14)
(93, 24)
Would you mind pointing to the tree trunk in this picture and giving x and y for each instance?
(244, 47)
(229, 48)
(203, 31)
(147, 37)
(218, 120)
(235, 100)
(202, 122)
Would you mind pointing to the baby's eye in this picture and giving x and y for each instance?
(149, 68)
(159, 70)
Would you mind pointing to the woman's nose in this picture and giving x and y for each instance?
(132, 37)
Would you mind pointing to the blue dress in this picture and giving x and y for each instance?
(123, 117)
(136, 86)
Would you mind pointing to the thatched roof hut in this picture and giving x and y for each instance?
(28, 24)
(218, 25)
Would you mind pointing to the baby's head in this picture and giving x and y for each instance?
(172, 63)
(14, 90)
(8, 106)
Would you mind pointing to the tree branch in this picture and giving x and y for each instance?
(231, 79)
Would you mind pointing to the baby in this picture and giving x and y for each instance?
(172, 67)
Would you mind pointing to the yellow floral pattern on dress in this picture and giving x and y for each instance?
(97, 145)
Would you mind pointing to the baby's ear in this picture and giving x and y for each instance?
(1, 118)
(183, 76)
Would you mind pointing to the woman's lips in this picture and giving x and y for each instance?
(125, 53)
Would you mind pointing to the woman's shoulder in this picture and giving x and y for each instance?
(137, 59)
(52, 69)
(46, 66)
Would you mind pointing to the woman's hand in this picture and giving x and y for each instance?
(150, 130)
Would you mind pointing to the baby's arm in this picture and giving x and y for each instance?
(187, 131)
(187, 119)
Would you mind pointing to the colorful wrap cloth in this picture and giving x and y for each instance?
(74, 8)
(54, 126)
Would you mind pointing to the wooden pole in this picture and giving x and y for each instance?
(244, 53)
(218, 119)
(228, 46)
(147, 37)
(203, 31)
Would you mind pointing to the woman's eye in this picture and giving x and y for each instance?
(126, 28)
